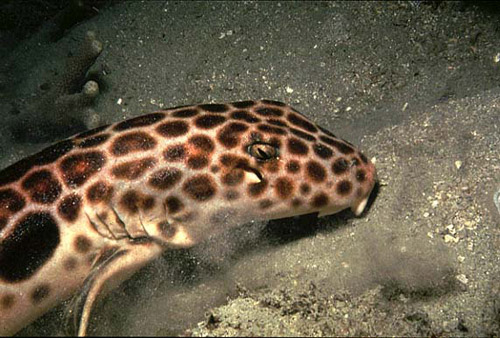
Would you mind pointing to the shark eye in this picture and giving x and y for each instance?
(263, 151)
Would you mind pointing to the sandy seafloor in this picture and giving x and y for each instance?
(415, 84)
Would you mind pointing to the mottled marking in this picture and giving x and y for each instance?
(245, 116)
(186, 113)
(272, 166)
(173, 204)
(340, 166)
(319, 200)
(203, 143)
(70, 263)
(175, 153)
(77, 169)
(11, 201)
(30, 245)
(42, 186)
(322, 151)
(165, 178)
(94, 141)
(269, 112)
(271, 129)
(7, 301)
(293, 167)
(140, 121)
(283, 187)
(302, 134)
(296, 202)
(297, 147)
(360, 175)
(99, 192)
(344, 187)
(46, 156)
(243, 104)
(233, 177)
(229, 136)
(197, 162)
(69, 207)
(166, 229)
(133, 169)
(214, 107)
(132, 142)
(200, 188)
(302, 123)
(173, 128)
(342, 147)
(209, 121)
(82, 244)
(315, 171)
(41, 292)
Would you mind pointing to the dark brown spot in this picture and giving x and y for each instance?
(185, 113)
(166, 229)
(302, 123)
(82, 244)
(77, 169)
(256, 189)
(130, 201)
(40, 293)
(173, 129)
(315, 171)
(276, 122)
(265, 204)
(46, 156)
(319, 200)
(197, 162)
(360, 175)
(7, 301)
(200, 188)
(296, 202)
(344, 187)
(233, 177)
(214, 107)
(175, 153)
(305, 188)
(243, 104)
(165, 178)
(363, 158)
(69, 207)
(70, 263)
(340, 166)
(229, 136)
(202, 142)
(133, 169)
(283, 187)
(209, 121)
(173, 204)
(29, 246)
(293, 167)
(232, 195)
(271, 129)
(42, 186)
(147, 203)
(272, 166)
(270, 112)
(214, 168)
(274, 103)
(342, 147)
(94, 141)
(10, 201)
(132, 142)
(99, 192)
(245, 116)
(302, 134)
(140, 121)
(228, 160)
(297, 147)
(322, 151)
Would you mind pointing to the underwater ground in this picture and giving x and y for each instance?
(416, 85)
